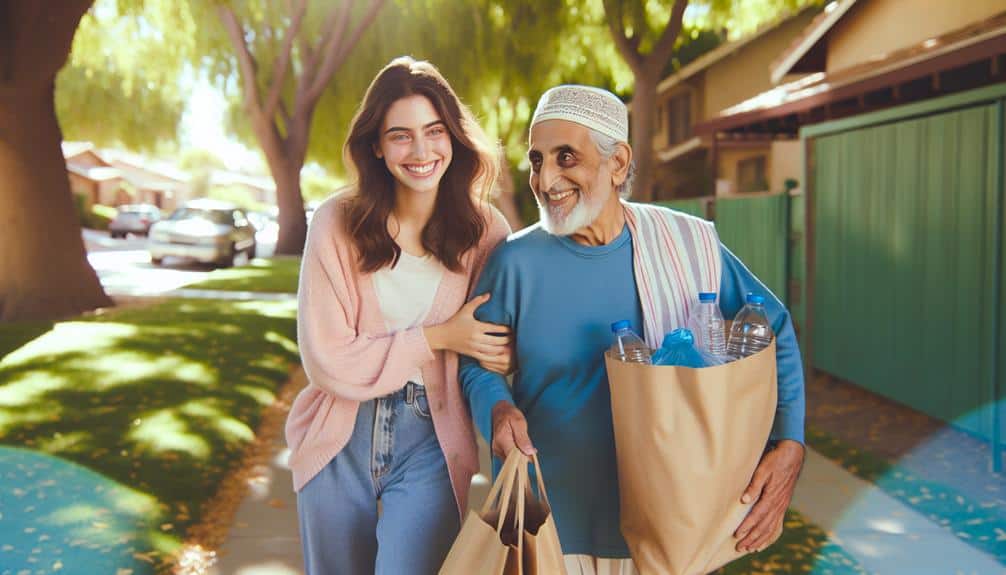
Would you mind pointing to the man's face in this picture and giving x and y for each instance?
(570, 179)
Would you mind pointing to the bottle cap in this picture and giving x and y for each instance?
(620, 325)
(755, 298)
(707, 296)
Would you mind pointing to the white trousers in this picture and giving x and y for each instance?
(589, 565)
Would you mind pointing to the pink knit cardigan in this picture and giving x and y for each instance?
(349, 356)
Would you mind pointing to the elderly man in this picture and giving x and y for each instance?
(559, 285)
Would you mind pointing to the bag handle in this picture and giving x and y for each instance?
(522, 486)
(509, 474)
(540, 480)
(505, 476)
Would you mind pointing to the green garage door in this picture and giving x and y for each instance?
(907, 253)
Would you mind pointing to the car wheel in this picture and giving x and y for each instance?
(228, 260)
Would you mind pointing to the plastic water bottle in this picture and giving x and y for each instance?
(750, 332)
(628, 346)
(707, 326)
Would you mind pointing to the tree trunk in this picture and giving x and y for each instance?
(44, 273)
(644, 103)
(504, 197)
(292, 223)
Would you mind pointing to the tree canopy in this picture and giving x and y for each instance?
(499, 56)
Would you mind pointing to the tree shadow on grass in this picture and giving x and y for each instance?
(13, 336)
(163, 400)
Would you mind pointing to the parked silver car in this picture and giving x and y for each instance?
(133, 219)
(203, 230)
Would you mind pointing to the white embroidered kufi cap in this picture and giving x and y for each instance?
(585, 105)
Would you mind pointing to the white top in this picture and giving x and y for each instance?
(406, 293)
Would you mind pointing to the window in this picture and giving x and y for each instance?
(679, 118)
(751, 175)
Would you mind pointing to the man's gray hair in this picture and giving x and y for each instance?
(606, 146)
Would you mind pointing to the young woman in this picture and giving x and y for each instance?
(382, 317)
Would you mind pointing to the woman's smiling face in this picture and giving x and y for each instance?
(415, 144)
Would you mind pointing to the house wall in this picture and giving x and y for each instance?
(785, 161)
(695, 85)
(727, 160)
(684, 177)
(877, 27)
(745, 73)
(85, 187)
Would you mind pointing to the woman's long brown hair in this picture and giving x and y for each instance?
(456, 225)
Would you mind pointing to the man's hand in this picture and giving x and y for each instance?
(510, 430)
(772, 486)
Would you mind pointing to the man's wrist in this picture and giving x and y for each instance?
(501, 405)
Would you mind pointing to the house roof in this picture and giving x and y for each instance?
(971, 43)
(95, 174)
(809, 38)
(724, 50)
(151, 169)
(226, 178)
(71, 149)
(682, 149)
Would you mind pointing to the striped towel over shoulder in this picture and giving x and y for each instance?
(675, 256)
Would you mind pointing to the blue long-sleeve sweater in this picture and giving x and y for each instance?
(560, 298)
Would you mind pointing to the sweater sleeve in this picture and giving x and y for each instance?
(736, 282)
(336, 357)
(482, 388)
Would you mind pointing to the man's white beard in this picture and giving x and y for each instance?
(582, 215)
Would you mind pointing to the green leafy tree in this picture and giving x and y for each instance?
(121, 84)
(286, 55)
(498, 55)
(118, 86)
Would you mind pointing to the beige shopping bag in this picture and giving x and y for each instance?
(542, 551)
(490, 541)
(687, 443)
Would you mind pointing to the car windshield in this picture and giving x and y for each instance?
(215, 216)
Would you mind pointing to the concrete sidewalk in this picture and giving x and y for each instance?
(264, 538)
(882, 534)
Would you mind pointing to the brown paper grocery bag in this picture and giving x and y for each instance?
(490, 541)
(687, 443)
(542, 551)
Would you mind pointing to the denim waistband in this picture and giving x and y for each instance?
(409, 393)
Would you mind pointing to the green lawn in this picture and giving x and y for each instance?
(158, 401)
(271, 275)
(13, 336)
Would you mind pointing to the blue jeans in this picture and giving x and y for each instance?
(393, 456)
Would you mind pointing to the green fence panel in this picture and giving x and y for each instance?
(756, 230)
(796, 295)
(905, 300)
(694, 206)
